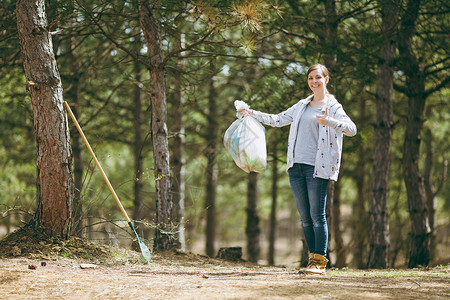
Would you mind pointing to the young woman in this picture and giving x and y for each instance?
(318, 124)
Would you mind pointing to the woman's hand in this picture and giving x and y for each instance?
(245, 112)
(323, 119)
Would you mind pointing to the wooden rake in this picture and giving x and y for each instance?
(144, 249)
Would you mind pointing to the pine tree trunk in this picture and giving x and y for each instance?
(430, 194)
(360, 216)
(304, 255)
(138, 156)
(178, 160)
(379, 228)
(341, 255)
(330, 39)
(252, 230)
(54, 161)
(211, 169)
(419, 253)
(329, 42)
(152, 36)
(329, 216)
(273, 211)
(73, 95)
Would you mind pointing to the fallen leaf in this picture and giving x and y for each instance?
(88, 266)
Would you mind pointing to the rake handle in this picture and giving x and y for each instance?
(96, 162)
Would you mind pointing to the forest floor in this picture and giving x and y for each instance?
(35, 267)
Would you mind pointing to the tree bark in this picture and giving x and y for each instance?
(341, 256)
(152, 37)
(329, 42)
(429, 193)
(211, 169)
(360, 232)
(73, 94)
(379, 227)
(178, 160)
(273, 211)
(330, 39)
(430, 190)
(419, 253)
(252, 229)
(138, 156)
(329, 217)
(54, 162)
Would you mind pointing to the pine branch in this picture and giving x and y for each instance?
(191, 46)
(438, 86)
(356, 12)
(110, 38)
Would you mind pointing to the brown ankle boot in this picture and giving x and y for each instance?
(318, 264)
(311, 260)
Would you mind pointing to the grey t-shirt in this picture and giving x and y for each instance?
(305, 148)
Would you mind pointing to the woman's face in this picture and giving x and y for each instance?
(317, 82)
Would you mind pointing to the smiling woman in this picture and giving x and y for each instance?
(318, 124)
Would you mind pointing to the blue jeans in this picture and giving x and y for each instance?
(310, 196)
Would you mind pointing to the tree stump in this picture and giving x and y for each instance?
(230, 253)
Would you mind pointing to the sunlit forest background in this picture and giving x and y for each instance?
(218, 52)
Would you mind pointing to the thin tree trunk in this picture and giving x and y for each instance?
(379, 227)
(273, 211)
(330, 39)
(329, 216)
(138, 145)
(152, 36)
(429, 194)
(73, 95)
(304, 255)
(431, 191)
(415, 78)
(252, 230)
(341, 256)
(360, 215)
(178, 160)
(329, 43)
(211, 169)
(54, 161)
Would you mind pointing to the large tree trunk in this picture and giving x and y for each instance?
(252, 229)
(211, 169)
(379, 227)
(273, 211)
(152, 36)
(54, 161)
(415, 79)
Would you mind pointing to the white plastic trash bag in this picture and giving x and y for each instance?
(245, 140)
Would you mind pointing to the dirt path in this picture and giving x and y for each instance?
(116, 273)
(188, 276)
